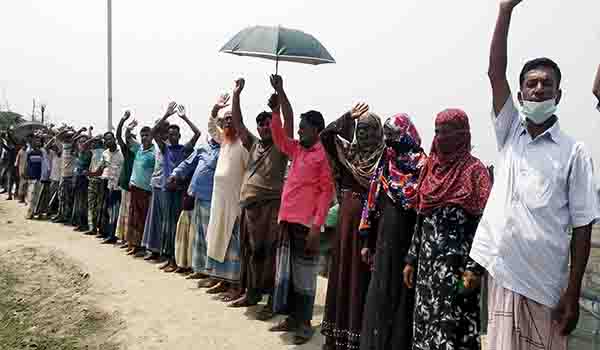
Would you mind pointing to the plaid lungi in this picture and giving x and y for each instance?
(518, 323)
(296, 276)
(200, 218)
(34, 190)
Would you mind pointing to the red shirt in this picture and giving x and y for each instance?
(308, 189)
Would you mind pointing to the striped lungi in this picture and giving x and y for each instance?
(34, 190)
(94, 202)
(123, 221)
(140, 201)
(518, 323)
(170, 210)
(184, 242)
(200, 218)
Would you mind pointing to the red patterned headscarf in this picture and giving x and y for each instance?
(455, 178)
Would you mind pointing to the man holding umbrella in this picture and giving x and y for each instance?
(305, 200)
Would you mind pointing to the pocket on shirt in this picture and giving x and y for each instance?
(537, 190)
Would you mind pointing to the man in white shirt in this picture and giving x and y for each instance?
(544, 187)
(108, 171)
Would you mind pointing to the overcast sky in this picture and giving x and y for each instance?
(399, 56)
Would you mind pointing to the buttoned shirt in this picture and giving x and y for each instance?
(201, 166)
(544, 187)
(308, 189)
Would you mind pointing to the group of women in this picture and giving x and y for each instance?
(400, 275)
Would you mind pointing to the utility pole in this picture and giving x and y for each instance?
(33, 111)
(43, 109)
(109, 62)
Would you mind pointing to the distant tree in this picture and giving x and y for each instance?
(8, 119)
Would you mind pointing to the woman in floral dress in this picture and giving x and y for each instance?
(452, 193)
(386, 227)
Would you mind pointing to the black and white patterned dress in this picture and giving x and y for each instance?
(444, 318)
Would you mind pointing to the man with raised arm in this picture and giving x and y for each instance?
(139, 185)
(154, 220)
(305, 200)
(260, 199)
(543, 189)
(67, 139)
(200, 166)
(124, 178)
(173, 154)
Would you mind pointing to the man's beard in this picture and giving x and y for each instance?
(229, 135)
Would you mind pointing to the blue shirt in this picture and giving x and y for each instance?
(172, 157)
(143, 165)
(202, 164)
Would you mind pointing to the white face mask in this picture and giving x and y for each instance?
(539, 112)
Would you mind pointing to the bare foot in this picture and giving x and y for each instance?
(232, 294)
(171, 267)
(220, 287)
(207, 283)
(243, 301)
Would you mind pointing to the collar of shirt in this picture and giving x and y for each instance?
(553, 133)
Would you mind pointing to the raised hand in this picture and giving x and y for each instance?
(222, 102)
(239, 86)
(126, 116)
(277, 83)
(359, 109)
(132, 125)
(181, 111)
(510, 3)
(171, 109)
(274, 103)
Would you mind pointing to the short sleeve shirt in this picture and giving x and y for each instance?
(543, 187)
(112, 163)
(143, 165)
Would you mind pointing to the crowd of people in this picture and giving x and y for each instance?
(417, 233)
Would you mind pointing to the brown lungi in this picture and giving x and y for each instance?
(259, 233)
(138, 209)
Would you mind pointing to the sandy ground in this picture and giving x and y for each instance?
(150, 309)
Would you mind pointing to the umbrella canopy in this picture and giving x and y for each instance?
(278, 44)
(23, 130)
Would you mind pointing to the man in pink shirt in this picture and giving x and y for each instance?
(307, 192)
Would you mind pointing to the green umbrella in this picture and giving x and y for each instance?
(278, 44)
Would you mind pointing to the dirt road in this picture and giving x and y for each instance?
(141, 308)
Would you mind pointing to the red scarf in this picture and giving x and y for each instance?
(455, 178)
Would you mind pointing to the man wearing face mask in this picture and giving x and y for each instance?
(543, 187)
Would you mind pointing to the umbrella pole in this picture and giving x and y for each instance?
(276, 65)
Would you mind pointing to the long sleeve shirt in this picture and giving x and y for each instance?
(309, 188)
(202, 164)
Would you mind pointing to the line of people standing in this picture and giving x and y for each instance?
(417, 234)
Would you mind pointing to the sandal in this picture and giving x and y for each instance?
(207, 283)
(266, 313)
(303, 335)
(287, 325)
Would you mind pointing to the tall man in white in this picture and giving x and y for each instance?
(543, 186)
